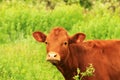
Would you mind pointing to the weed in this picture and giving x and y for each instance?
(89, 72)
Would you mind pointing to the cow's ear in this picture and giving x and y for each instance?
(77, 38)
(39, 36)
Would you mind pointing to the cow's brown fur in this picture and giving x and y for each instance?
(75, 53)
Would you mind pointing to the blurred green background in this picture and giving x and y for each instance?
(22, 58)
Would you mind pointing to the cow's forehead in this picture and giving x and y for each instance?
(57, 34)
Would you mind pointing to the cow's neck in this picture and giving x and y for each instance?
(69, 68)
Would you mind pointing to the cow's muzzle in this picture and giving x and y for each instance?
(53, 57)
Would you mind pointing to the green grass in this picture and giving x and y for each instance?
(26, 60)
(19, 19)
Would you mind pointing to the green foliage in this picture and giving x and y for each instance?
(18, 19)
(99, 23)
(86, 3)
(89, 72)
(25, 60)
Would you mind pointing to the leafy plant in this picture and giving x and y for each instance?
(89, 72)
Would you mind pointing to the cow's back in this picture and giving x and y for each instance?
(105, 57)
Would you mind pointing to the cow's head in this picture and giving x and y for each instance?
(57, 43)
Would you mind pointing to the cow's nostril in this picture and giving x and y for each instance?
(55, 55)
(52, 55)
(48, 55)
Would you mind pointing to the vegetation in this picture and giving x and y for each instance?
(19, 19)
(22, 58)
(89, 72)
(26, 60)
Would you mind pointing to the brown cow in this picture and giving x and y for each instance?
(69, 53)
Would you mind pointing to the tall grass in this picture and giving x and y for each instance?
(19, 19)
(25, 60)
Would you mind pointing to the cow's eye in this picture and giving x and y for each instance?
(65, 43)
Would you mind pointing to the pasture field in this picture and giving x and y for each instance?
(26, 60)
(19, 19)
(23, 58)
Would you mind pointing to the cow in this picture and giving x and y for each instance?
(68, 53)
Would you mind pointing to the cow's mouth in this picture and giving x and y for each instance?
(54, 62)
